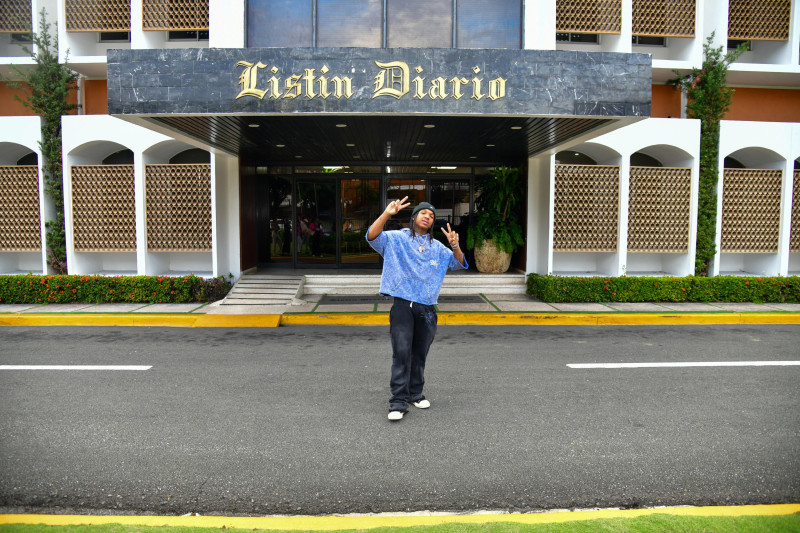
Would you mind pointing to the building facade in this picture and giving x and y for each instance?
(220, 136)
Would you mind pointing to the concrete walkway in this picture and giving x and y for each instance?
(509, 309)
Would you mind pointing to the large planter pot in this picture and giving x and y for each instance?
(490, 260)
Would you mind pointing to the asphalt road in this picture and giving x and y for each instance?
(293, 420)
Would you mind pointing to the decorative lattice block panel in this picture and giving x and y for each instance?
(664, 18)
(759, 20)
(658, 209)
(15, 16)
(751, 210)
(98, 15)
(175, 15)
(178, 208)
(103, 208)
(20, 229)
(589, 16)
(586, 208)
(794, 242)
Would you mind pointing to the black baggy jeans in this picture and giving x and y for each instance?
(412, 327)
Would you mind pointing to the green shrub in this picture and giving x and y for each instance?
(30, 288)
(562, 289)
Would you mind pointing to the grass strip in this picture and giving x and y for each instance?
(653, 523)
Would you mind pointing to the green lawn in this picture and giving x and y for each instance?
(657, 523)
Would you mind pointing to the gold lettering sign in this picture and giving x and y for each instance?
(392, 79)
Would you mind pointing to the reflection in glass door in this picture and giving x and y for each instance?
(315, 222)
(279, 190)
(451, 199)
(360, 199)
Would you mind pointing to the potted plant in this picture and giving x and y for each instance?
(496, 231)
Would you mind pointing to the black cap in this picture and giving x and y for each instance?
(421, 206)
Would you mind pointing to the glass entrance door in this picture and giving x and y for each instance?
(360, 200)
(315, 222)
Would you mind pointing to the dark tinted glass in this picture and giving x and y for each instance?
(350, 23)
(279, 23)
(495, 24)
(419, 23)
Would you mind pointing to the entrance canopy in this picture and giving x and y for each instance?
(363, 105)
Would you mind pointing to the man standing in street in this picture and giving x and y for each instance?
(414, 266)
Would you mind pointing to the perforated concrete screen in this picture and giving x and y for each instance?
(751, 210)
(586, 208)
(178, 207)
(19, 209)
(103, 208)
(98, 15)
(658, 209)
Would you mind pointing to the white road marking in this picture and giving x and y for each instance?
(683, 365)
(75, 367)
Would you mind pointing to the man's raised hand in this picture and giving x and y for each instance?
(396, 206)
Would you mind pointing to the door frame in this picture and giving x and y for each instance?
(384, 178)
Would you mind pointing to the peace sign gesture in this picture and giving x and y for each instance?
(452, 236)
(396, 206)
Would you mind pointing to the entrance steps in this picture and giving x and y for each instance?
(283, 289)
(454, 284)
(261, 289)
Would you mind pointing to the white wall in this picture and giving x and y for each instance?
(758, 145)
(675, 142)
(18, 137)
(228, 14)
(88, 139)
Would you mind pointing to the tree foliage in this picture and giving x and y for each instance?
(708, 100)
(46, 86)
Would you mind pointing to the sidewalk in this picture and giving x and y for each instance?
(498, 309)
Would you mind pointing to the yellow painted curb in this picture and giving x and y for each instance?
(547, 319)
(153, 320)
(333, 523)
(382, 319)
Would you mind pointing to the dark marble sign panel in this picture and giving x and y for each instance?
(366, 80)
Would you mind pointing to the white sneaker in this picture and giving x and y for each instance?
(422, 404)
(396, 415)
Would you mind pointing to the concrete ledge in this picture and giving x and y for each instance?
(362, 522)
(546, 319)
(154, 320)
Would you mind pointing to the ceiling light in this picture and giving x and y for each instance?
(420, 144)
(445, 168)
(350, 145)
(429, 126)
(516, 127)
(298, 157)
(341, 125)
(280, 146)
(414, 156)
(254, 125)
(473, 157)
(332, 168)
(490, 146)
(356, 157)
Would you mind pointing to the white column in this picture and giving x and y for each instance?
(785, 232)
(226, 23)
(225, 215)
(539, 24)
(141, 212)
(622, 224)
(539, 234)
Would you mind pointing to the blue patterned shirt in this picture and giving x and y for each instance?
(410, 274)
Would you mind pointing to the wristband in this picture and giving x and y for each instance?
(454, 246)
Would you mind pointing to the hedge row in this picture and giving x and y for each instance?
(665, 289)
(31, 289)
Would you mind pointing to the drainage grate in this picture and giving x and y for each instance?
(348, 299)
